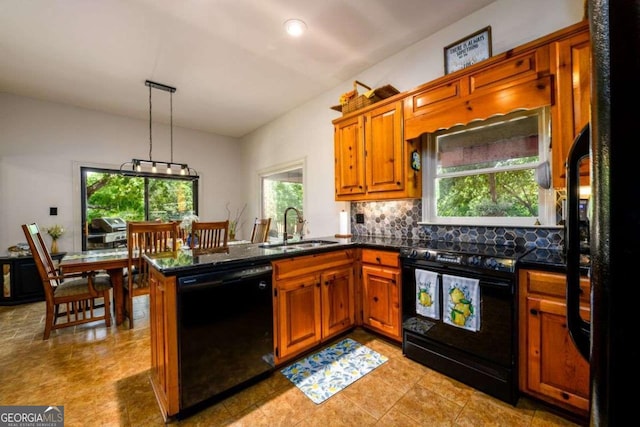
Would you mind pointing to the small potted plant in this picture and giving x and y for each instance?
(55, 231)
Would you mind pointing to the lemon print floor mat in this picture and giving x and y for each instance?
(323, 374)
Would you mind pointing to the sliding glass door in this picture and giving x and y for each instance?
(111, 198)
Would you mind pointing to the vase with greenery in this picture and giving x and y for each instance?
(235, 221)
(186, 225)
(55, 231)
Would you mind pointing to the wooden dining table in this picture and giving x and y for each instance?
(113, 261)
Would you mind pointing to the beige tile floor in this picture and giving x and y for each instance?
(100, 376)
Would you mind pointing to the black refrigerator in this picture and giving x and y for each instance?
(609, 340)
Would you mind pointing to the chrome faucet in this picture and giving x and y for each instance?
(285, 236)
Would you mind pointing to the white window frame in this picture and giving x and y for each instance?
(281, 168)
(546, 198)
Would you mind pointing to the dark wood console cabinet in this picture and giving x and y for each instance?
(20, 280)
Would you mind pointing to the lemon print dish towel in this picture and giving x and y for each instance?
(461, 299)
(427, 294)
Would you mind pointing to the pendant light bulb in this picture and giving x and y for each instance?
(168, 168)
(153, 167)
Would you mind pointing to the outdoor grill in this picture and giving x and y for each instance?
(107, 232)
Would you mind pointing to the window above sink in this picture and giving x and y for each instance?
(486, 173)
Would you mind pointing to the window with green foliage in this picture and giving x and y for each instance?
(281, 189)
(485, 173)
(133, 197)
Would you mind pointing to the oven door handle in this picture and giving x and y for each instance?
(493, 282)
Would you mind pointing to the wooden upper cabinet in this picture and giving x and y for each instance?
(518, 79)
(373, 146)
(571, 62)
(383, 149)
(349, 157)
(372, 158)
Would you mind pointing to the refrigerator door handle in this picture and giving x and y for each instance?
(579, 329)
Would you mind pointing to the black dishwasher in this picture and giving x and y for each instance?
(225, 332)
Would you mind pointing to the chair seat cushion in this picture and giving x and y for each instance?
(80, 286)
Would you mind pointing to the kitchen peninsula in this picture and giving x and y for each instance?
(276, 302)
(193, 291)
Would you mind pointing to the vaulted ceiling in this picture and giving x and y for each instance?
(234, 67)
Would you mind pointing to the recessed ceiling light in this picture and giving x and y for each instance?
(295, 27)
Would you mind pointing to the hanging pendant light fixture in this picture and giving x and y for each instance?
(151, 165)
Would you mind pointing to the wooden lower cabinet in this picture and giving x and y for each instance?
(163, 320)
(338, 300)
(314, 300)
(298, 307)
(381, 284)
(551, 368)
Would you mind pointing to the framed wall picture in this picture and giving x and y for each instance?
(468, 51)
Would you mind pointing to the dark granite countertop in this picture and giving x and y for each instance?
(194, 261)
(550, 259)
(553, 258)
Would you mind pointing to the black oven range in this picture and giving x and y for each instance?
(459, 312)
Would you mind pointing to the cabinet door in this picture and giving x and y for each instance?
(27, 281)
(349, 158)
(384, 149)
(555, 368)
(299, 326)
(5, 291)
(572, 58)
(338, 301)
(381, 300)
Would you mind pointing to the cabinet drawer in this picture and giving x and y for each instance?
(523, 66)
(507, 73)
(306, 264)
(427, 100)
(554, 284)
(300, 282)
(389, 259)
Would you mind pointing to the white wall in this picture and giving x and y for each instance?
(307, 131)
(42, 145)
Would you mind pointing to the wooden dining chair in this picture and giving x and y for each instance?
(260, 231)
(144, 237)
(212, 234)
(76, 293)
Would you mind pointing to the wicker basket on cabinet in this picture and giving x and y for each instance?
(354, 101)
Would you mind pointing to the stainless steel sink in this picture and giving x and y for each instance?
(296, 246)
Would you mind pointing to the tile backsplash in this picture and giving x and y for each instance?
(400, 219)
